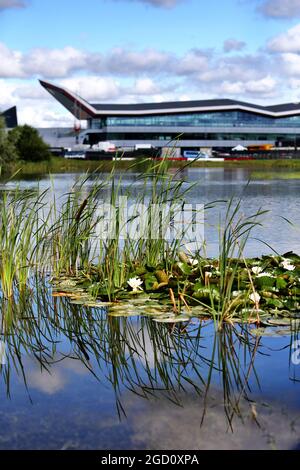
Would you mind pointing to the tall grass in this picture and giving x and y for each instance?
(233, 238)
(63, 237)
(73, 229)
(22, 229)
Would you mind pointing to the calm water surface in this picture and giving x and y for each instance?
(74, 380)
(278, 196)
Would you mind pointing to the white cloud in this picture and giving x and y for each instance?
(145, 86)
(6, 4)
(204, 65)
(192, 62)
(158, 3)
(54, 62)
(234, 68)
(230, 45)
(59, 63)
(10, 63)
(94, 88)
(43, 114)
(280, 8)
(290, 64)
(128, 62)
(286, 42)
(30, 92)
(266, 86)
(128, 75)
(232, 88)
(7, 98)
(294, 83)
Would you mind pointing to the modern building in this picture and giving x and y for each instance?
(10, 117)
(220, 123)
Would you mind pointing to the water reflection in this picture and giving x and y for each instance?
(75, 378)
(262, 426)
(55, 379)
(185, 387)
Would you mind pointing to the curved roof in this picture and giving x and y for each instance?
(84, 110)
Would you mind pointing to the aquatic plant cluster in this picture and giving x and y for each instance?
(157, 277)
(264, 291)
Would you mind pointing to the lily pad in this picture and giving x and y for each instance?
(293, 324)
(154, 312)
(67, 283)
(125, 313)
(99, 304)
(184, 268)
(121, 307)
(80, 301)
(265, 282)
(271, 332)
(140, 300)
(173, 319)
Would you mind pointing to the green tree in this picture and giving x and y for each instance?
(30, 146)
(8, 152)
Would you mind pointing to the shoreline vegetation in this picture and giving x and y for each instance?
(22, 143)
(61, 165)
(156, 277)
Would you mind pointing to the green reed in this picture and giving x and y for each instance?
(64, 237)
(22, 229)
(233, 239)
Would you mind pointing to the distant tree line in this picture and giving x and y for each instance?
(21, 143)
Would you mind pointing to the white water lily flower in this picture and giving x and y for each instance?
(255, 297)
(135, 283)
(257, 270)
(193, 262)
(236, 293)
(265, 275)
(287, 265)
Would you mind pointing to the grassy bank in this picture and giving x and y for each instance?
(249, 164)
(61, 165)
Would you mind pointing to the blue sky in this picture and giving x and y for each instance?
(147, 50)
(101, 24)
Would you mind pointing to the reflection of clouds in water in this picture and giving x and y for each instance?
(146, 346)
(56, 377)
(140, 341)
(161, 425)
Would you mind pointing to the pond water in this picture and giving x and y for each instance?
(73, 379)
(280, 227)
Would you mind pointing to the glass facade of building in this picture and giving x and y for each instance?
(221, 138)
(211, 119)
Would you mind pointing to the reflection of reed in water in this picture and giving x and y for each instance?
(135, 354)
